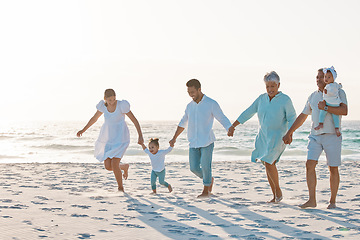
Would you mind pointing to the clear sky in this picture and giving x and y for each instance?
(58, 57)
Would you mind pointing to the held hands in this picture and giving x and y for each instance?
(172, 142)
(231, 131)
(143, 146)
(322, 104)
(287, 138)
(141, 140)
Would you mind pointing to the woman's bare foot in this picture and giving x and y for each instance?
(121, 189)
(331, 206)
(125, 167)
(170, 188)
(308, 204)
(275, 200)
(321, 125)
(338, 133)
(278, 199)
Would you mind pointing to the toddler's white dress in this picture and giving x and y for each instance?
(114, 137)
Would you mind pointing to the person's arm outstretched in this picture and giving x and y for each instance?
(137, 126)
(179, 130)
(244, 116)
(220, 116)
(90, 123)
(169, 149)
(298, 122)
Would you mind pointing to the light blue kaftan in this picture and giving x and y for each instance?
(275, 118)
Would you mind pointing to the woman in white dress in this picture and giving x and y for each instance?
(114, 137)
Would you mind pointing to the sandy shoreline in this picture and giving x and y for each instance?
(79, 201)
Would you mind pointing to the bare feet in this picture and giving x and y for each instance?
(308, 204)
(170, 188)
(153, 192)
(204, 195)
(321, 125)
(276, 199)
(126, 171)
(338, 133)
(331, 206)
(121, 189)
(211, 186)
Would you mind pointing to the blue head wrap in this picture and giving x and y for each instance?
(332, 70)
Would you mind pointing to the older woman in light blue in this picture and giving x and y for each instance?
(276, 114)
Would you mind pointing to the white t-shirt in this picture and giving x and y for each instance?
(311, 107)
(158, 159)
(200, 118)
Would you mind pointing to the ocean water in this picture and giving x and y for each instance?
(45, 142)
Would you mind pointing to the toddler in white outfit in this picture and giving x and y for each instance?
(331, 96)
(157, 158)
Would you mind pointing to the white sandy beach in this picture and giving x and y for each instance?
(79, 201)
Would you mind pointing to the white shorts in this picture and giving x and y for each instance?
(330, 143)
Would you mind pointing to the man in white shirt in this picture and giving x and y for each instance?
(324, 139)
(199, 116)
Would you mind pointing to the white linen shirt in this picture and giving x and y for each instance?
(158, 159)
(200, 118)
(311, 107)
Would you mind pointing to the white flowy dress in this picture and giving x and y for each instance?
(114, 137)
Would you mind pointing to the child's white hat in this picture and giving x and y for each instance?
(332, 70)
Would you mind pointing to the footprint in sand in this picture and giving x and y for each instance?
(97, 198)
(79, 215)
(42, 198)
(81, 206)
(302, 225)
(206, 224)
(52, 209)
(98, 218)
(38, 203)
(27, 222)
(128, 225)
(85, 235)
(18, 206)
(187, 216)
(104, 231)
(167, 209)
(185, 230)
(28, 186)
